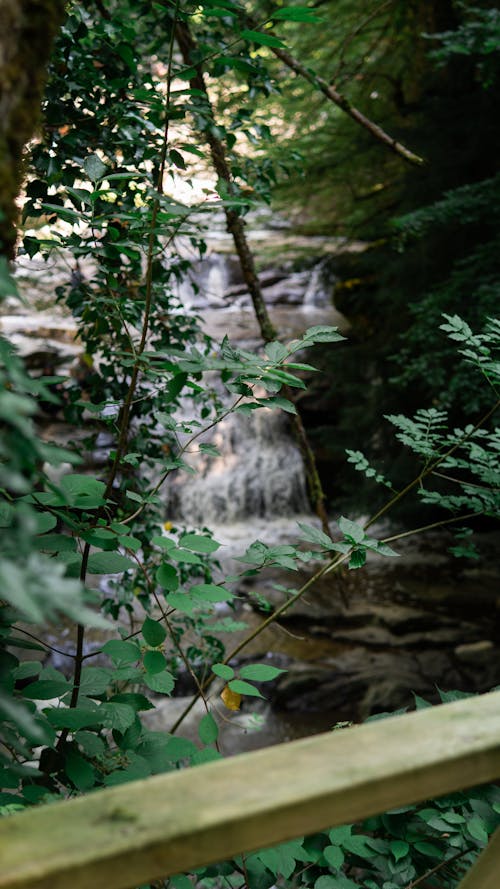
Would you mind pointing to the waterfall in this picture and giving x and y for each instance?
(259, 474)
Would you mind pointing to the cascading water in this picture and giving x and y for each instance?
(259, 473)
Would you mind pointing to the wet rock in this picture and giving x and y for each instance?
(475, 652)
(358, 682)
(44, 354)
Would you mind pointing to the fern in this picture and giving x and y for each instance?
(361, 464)
(424, 434)
(459, 206)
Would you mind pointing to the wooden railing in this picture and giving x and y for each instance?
(128, 835)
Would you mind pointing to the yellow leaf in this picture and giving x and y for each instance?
(231, 699)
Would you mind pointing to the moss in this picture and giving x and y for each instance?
(30, 27)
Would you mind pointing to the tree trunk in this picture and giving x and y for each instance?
(27, 32)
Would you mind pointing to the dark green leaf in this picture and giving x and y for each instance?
(198, 543)
(79, 771)
(121, 652)
(94, 167)
(117, 716)
(162, 683)
(295, 14)
(223, 670)
(260, 672)
(154, 632)
(208, 730)
(261, 39)
(209, 592)
(154, 662)
(167, 577)
(44, 689)
(244, 688)
(72, 719)
(334, 856)
(109, 563)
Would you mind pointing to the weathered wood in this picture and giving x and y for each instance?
(485, 873)
(130, 834)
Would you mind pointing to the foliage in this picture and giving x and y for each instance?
(114, 133)
(432, 234)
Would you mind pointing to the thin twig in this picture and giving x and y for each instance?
(45, 644)
(438, 867)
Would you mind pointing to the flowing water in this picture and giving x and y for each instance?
(355, 645)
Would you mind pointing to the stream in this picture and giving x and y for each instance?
(356, 645)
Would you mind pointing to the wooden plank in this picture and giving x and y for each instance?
(485, 872)
(130, 834)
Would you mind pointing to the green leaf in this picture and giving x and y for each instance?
(186, 604)
(27, 669)
(208, 754)
(185, 555)
(94, 167)
(167, 577)
(338, 835)
(223, 670)
(117, 716)
(154, 662)
(277, 401)
(154, 632)
(94, 681)
(327, 881)
(358, 846)
(57, 543)
(208, 729)
(180, 881)
(428, 849)
(314, 535)
(45, 521)
(351, 530)
(91, 743)
(79, 771)
(73, 719)
(261, 39)
(109, 563)
(44, 689)
(399, 849)
(477, 830)
(244, 688)
(179, 748)
(64, 213)
(198, 543)
(137, 769)
(357, 559)
(209, 449)
(295, 14)
(260, 672)
(323, 334)
(334, 856)
(276, 351)
(386, 550)
(209, 592)
(83, 491)
(162, 683)
(163, 542)
(134, 699)
(121, 652)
